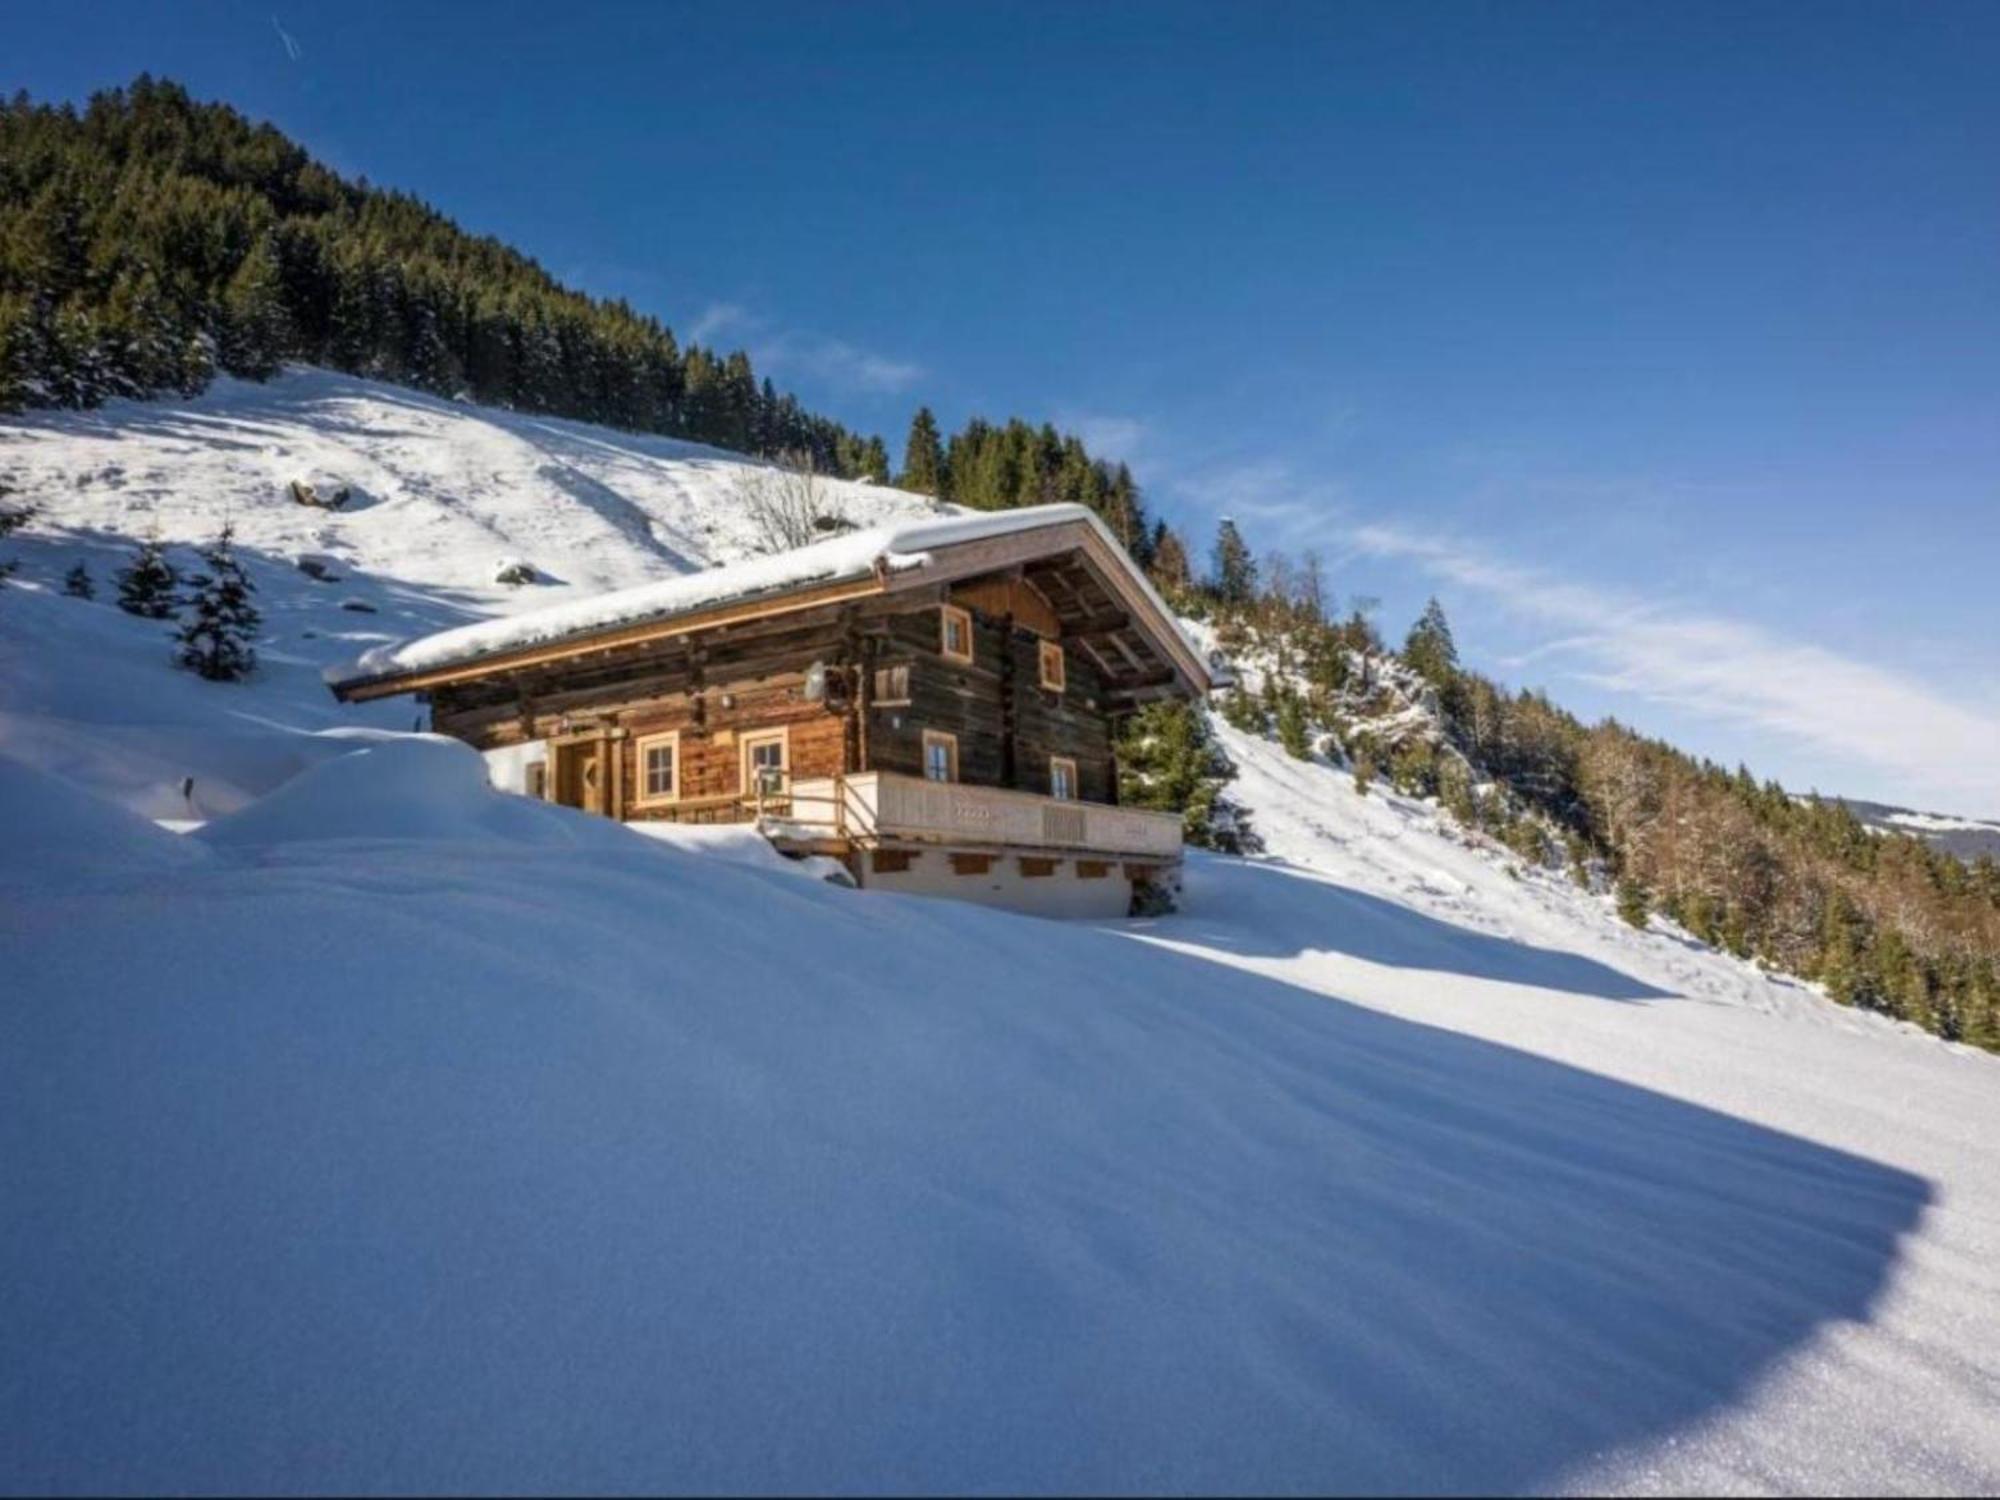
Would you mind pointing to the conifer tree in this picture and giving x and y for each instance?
(1430, 649)
(923, 456)
(1235, 575)
(1292, 726)
(1125, 514)
(77, 583)
(1168, 563)
(146, 587)
(217, 635)
(255, 330)
(1632, 902)
(875, 459)
(1168, 761)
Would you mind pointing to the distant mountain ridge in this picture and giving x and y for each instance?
(1968, 838)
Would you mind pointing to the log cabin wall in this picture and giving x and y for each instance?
(1008, 727)
(712, 690)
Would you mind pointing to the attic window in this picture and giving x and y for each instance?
(1054, 668)
(892, 685)
(955, 633)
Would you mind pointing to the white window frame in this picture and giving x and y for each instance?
(946, 614)
(645, 796)
(749, 741)
(1064, 762)
(1052, 651)
(950, 744)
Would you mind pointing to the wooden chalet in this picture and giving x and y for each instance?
(935, 704)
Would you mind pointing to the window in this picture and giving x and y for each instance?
(1062, 778)
(940, 756)
(955, 633)
(1054, 668)
(538, 779)
(659, 757)
(766, 758)
(892, 685)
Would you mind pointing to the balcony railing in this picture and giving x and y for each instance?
(877, 805)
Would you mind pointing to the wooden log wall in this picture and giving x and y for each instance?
(1008, 726)
(995, 702)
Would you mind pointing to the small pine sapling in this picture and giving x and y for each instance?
(146, 588)
(1292, 727)
(221, 624)
(77, 583)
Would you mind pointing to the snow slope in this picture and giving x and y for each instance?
(443, 491)
(390, 1134)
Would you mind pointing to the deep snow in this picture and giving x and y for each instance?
(390, 1134)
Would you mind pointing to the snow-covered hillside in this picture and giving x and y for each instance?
(441, 493)
(390, 1134)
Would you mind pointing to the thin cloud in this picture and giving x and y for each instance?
(292, 49)
(1731, 670)
(1120, 439)
(833, 361)
(714, 318)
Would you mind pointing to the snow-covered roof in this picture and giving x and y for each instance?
(893, 548)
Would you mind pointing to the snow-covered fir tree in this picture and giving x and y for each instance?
(218, 631)
(146, 587)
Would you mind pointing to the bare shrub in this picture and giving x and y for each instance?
(789, 503)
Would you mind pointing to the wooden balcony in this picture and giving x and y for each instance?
(873, 808)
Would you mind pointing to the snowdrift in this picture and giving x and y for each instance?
(55, 832)
(514, 1166)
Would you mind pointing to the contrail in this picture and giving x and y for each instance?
(292, 48)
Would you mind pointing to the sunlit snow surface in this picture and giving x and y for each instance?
(390, 1134)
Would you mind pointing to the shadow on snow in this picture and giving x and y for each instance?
(1267, 909)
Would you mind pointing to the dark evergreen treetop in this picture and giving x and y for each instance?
(923, 456)
(1235, 574)
(1430, 648)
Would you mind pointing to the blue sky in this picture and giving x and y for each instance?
(1662, 342)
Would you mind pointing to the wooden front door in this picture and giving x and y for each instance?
(583, 775)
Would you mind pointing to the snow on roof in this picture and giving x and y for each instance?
(900, 546)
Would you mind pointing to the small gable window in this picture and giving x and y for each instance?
(1054, 669)
(955, 633)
